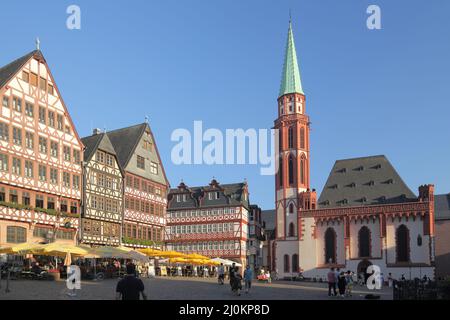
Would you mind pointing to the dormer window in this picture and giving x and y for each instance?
(178, 197)
(184, 198)
(210, 196)
(217, 195)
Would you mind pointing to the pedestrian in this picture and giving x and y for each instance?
(390, 280)
(248, 277)
(130, 287)
(232, 273)
(349, 281)
(221, 274)
(331, 277)
(236, 284)
(342, 282)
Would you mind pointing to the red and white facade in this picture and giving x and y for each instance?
(40, 157)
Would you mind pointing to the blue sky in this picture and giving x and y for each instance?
(368, 92)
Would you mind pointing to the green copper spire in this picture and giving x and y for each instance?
(290, 78)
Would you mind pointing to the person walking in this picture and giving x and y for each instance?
(331, 277)
(232, 274)
(390, 280)
(349, 281)
(236, 284)
(130, 287)
(341, 284)
(221, 274)
(248, 277)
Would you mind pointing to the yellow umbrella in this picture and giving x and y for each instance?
(150, 252)
(172, 254)
(61, 250)
(179, 260)
(197, 256)
(22, 248)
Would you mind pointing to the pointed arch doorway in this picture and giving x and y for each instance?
(362, 268)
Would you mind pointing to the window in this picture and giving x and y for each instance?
(295, 263)
(291, 170)
(28, 169)
(280, 171)
(39, 201)
(154, 168)
(42, 173)
(5, 102)
(25, 76)
(29, 109)
(16, 234)
(73, 207)
(136, 183)
(66, 179)
(291, 137)
(42, 84)
(17, 136)
(147, 145)
(302, 138)
(286, 263)
(100, 156)
(141, 162)
(33, 79)
(4, 132)
(302, 170)
(4, 162)
(13, 197)
(76, 156)
(330, 246)
(54, 149)
(51, 203)
(76, 182)
(2, 194)
(29, 140)
(291, 230)
(17, 104)
(60, 122)
(26, 200)
(364, 242)
(53, 176)
(50, 89)
(110, 160)
(51, 119)
(17, 166)
(402, 244)
(42, 115)
(43, 145)
(67, 130)
(66, 153)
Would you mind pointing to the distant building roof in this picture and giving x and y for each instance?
(442, 207)
(232, 194)
(269, 217)
(364, 181)
(94, 142)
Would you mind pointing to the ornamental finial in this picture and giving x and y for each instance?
(38, 44)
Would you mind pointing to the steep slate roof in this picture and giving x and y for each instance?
(442, 207)
(125, 140)
(94, 142)
(269, 217)
(364, 181)
(290, 78)
(8, 71)
(233, 196)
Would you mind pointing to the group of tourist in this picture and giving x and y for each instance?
(342, 280)
(236, 278)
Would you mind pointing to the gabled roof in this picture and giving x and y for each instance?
(364, 181)
(125, 141)
(290, 78)
(95, 142)
(8, 71)
(442, 207)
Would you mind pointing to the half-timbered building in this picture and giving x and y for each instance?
(102, 210)
(210, 220)
(146, 186)
(40, 156)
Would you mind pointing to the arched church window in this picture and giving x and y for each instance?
(302, 138)
(295, 263)
(330, 246)
(280, 171)
(302, 171)
(291, 170)
(402, 244)
(286, 264)
(291, 230)
(364, 242)
(291, 208)
(291, 137)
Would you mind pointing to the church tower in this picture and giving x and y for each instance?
(292, 180)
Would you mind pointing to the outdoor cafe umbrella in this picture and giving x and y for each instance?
(172, 254)
(60, 250)
(22, 248)
(150, 252)
(226, 262)
(196, 256)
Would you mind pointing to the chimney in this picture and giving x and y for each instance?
(96, 131)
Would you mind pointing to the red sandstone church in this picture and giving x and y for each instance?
(365, 214)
